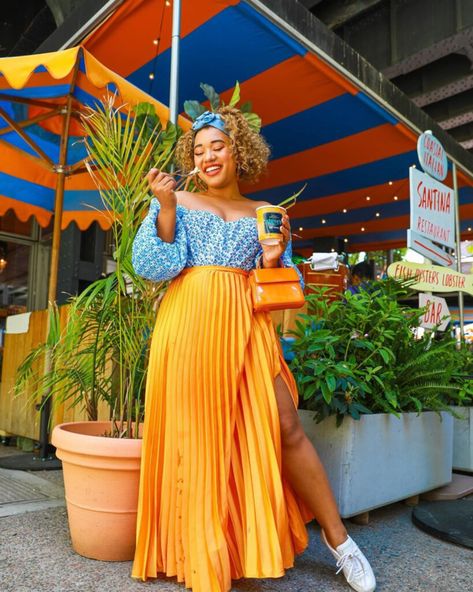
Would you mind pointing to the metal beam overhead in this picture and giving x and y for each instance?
(335, 13)
(425, 47)
(438, 80)
(452, 108)
(453, 44)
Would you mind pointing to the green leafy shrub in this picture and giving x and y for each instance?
(359, 355)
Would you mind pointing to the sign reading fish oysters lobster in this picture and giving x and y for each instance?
(431, 278)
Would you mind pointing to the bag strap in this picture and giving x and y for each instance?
(260, 259)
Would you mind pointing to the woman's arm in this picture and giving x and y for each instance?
(163, 186)
(166, 228)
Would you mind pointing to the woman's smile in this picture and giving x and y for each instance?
(211, 170)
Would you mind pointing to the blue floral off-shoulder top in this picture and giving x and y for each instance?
(201, 238)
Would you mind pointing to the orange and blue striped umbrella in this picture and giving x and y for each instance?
(33, 94)
(324, 129)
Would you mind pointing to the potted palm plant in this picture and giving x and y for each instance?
(100, 355)
(380, 397)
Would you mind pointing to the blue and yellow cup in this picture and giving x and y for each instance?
(269, 221)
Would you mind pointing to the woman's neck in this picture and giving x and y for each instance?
(230, 192)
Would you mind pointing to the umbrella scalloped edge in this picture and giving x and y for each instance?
(84, 219)
(24, 211)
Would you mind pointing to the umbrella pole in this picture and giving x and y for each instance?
(53, 271)
(60, 169)
(461, 307)
(174, 81)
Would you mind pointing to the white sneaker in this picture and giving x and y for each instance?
(354, 565)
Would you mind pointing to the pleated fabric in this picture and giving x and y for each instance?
(213, 505)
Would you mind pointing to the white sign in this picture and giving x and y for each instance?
(437, 314)
(428, 249)
(432, 156)
(432, 208)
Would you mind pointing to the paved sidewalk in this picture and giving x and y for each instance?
(36, 556)
(22, 491)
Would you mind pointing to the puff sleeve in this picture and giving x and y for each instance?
(153, 258)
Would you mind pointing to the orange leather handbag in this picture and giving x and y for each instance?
(275, 289)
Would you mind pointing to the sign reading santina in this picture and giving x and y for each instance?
(432, 211)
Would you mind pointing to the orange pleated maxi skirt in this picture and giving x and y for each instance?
(213, 504)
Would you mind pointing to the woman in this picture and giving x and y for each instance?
(228, 477)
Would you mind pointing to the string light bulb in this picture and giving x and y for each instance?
(362, 229)
(377, 214)
(155, 42)
(469, 229)
(396, 198)
(300, 228)
(3, 256)
(151, 76)
(344, 210)
(345, 240)
(390, 182)
(368, 198)
(324, 221)
(168, 3)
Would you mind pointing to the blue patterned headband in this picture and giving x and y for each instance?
(208, 118)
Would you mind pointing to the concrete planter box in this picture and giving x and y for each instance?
(381, 459)
(463, 439)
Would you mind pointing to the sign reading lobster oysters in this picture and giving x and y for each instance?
(431, 278)
(432, 208)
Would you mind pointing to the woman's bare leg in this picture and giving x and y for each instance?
(304, 471)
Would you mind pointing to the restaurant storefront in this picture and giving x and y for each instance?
(24, 260)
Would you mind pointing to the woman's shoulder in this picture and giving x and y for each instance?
(186, 198)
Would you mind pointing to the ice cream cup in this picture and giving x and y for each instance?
(269, 220)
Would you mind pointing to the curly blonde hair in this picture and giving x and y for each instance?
(250, 149)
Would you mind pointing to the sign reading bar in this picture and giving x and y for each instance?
(431, 278)
(429, 249)
(432, 208)
(436, 315)
(432, 156)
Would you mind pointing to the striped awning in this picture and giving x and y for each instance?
(325, 129)
(33, 94)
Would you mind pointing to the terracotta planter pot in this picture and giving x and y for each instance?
(101, 478)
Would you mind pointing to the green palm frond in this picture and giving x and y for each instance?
(101, 353)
